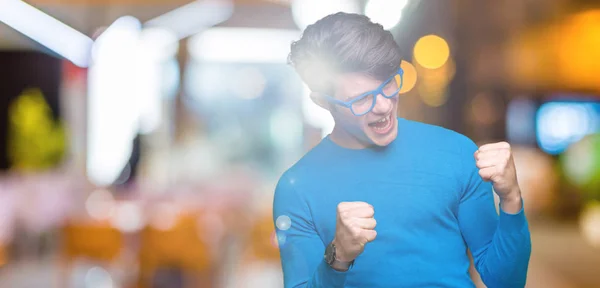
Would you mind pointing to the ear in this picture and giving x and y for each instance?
(318, 99)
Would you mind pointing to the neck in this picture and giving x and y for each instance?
(341, 137)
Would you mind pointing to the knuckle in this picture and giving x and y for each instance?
(352, 224)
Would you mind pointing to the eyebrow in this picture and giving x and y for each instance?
(362, 93)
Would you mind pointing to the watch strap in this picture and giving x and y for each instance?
(333, 262)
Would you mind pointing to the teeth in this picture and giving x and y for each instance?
(384, 120)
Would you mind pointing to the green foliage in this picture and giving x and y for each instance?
(36, 141)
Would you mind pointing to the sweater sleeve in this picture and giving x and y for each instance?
(300, 246)
(500, 244)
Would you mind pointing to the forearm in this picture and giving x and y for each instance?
(504, 263)
(323, 276)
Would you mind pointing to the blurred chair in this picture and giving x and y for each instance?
(95, 241)
(263, 242)
(179, 250)
(3, 257)
(260, 265)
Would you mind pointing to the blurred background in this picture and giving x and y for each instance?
(141, 140)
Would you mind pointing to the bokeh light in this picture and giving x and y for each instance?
(283, 222)
(560, 124)
(569, 45)
(387, 13)
(581, 164)
(100, 205)
(576, 50)
(164, 216)
(409, 78)
(128, 217)
(433, 83)
(97, 277)
(589, 223)
(431, 51)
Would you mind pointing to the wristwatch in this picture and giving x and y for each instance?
(331, 259)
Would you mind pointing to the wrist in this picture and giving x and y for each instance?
(513, 197)
(512, 203)
(340, 255)
(336, 259)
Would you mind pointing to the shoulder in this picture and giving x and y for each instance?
(310, 165)
(295, 181)
(437, 138)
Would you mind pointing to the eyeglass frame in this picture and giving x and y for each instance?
(376, 92)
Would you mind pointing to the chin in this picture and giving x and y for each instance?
(383, 139)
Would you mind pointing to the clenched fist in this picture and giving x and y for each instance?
(354, 228)
(495, 163)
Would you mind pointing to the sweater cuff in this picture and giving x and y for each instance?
(330, 277)
(512, 222)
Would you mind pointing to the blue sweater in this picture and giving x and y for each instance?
(430, 204)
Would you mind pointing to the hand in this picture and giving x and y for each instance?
(495, 163)
(354, 229)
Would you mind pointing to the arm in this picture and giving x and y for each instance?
(300, 246)
(500, 244)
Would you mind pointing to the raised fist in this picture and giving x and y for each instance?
(354, 229)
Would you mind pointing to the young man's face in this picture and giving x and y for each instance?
(377, 127)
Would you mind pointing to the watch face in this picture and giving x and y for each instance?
(330, 254)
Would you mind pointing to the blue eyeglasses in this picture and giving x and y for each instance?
(364, 103)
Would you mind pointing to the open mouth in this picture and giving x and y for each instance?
(382, 126)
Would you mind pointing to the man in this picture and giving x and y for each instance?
(429, 188)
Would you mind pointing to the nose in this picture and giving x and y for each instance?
(383, 105)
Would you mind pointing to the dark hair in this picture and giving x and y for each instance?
(344, 43)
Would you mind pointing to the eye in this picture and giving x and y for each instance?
(363, 100)
(391, 85)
